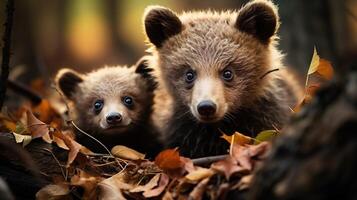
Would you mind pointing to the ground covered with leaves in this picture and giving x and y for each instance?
(74, 172)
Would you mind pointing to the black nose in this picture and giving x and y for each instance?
(206, 108)
(113, 118)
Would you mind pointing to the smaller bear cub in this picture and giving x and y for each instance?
(114, 105)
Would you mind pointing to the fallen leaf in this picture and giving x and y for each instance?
(244, 182)
(169, 159)
(242, 155)
(239, 138)
(88, 182)
(163, 182)
(199, 190)
(199, 174)
(228, 167)
(54, 192)
(266, 135)
(111, 188)
(36, 127)
(127, 153)
(25, 139)
(73, 146)
(148, 186)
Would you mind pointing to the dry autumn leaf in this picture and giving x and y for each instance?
(73, 146)
(36, 127)
(228, 167)
(169, 159)
(199, 174)
(54, 192)
(163, 182)
(199, 190)
(239, 138)
(127, 153)
(111, 188)
(88, 182)
(148, 186)
(25, 139)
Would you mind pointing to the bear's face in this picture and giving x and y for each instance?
(109, 100)
(213, 63)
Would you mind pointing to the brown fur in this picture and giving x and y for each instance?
(209, 42)
(111, 84)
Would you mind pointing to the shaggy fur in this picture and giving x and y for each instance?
(208, 43)
(111, 84)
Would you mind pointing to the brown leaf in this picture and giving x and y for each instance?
(127, 153)
(111, 188)
(199, 190)
(54, 192)
(88, 182)
(228, 167)
(148, 186)
(36, 127)
(164, 180)
(242, 155)
(73, 146)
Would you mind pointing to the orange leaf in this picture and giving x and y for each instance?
(325, 69)
(169, 159)
(239, 138)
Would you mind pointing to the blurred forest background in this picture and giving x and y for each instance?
(87, 34)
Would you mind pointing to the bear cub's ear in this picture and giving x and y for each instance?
(67, 81)
(142, 67)
(160, 24)
(258, 18)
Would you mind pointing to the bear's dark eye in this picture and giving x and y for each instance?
(128, 101)
(190, 76)
(98, 105)
(227, 75)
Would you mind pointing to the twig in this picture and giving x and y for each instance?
(6, 50)
(268, 72)
(208, 160)
(59, 164)
(93, 138)
(24, 91)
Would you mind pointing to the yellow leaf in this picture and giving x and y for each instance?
(314, 63)
(199, 174)
(239, 138)
(127, 153)
(25, 139)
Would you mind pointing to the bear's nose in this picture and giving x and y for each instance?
(206, 108)
(114, 118)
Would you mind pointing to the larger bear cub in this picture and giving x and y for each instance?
(219, 70)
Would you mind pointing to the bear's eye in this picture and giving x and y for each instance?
(190, 76)
(227, 75)
(128, 101)
(98, 105)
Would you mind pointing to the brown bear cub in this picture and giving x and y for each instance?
(218, 68)
(113, 104)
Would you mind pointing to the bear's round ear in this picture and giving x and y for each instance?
(160, 24)
(258, 18)
(144, 70)
(67, 81)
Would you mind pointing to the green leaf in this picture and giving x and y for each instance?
(266, 135)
